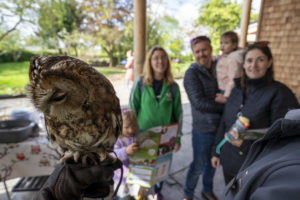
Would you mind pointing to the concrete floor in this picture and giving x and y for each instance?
(173, 187)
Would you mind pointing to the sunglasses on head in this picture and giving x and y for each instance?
(200, 38)
(261, 43)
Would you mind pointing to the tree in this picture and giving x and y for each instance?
(126, 41)
(219, 16)
(254, 17)
(12, 45)
(106, 20)
(155, 36)
(173, 40)
(14, 9)
(176, 47)
(154, 33)
(158, 29)
(58, 20)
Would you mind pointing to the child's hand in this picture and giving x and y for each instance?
(236, 142)
(215, 162)
(131, 149)
(220, 98)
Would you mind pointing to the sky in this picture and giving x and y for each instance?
(186, 12)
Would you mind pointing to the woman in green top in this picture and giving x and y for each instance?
(155, 96)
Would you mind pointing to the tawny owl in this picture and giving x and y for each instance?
(81, 109)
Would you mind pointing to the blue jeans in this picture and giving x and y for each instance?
(202, 144)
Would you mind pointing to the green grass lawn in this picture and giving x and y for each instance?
(14, 77)
(106, 71)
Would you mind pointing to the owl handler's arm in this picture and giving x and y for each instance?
(75, 180)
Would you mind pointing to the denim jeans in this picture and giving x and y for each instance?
(202, 144)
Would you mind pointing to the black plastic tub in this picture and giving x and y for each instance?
(12, 131)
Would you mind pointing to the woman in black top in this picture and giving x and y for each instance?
(256, 96)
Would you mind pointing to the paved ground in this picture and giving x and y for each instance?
(173, 187)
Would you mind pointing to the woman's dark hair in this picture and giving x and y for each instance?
(264, 48)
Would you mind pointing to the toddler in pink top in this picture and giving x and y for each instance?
(124, 147)
(229, 65)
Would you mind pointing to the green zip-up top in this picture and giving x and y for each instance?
(152, 113)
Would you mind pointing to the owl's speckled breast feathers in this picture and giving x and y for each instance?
(82, 111)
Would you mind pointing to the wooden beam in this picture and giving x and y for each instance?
(245, 22)
(139, 36)
(262, 5)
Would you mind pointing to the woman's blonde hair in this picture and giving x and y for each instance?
(129, 115)
(148, 71)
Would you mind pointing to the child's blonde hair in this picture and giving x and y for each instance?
(129, 115)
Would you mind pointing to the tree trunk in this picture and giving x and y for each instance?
(16, 55)
(110, 59)
(75, 49)
(110, 54)
(10, 30)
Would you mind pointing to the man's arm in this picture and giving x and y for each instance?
(194, 90)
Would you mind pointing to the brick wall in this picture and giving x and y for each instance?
(280, 24)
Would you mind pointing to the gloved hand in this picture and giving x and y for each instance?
(72, 180)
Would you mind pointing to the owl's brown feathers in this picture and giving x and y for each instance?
(82, 111)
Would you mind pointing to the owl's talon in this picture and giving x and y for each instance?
(66, 156)
(102, 156)
(114, 159)
(76, 156)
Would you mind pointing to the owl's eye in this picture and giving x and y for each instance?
(57, 97)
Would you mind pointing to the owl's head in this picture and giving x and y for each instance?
(67, 88)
